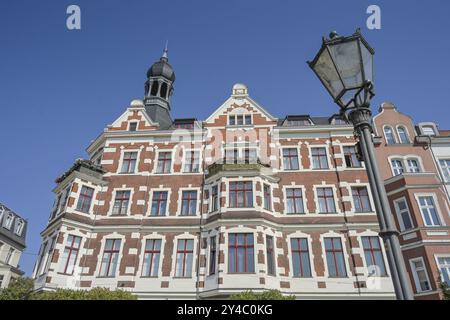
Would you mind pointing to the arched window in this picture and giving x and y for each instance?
(163, 92)
(154, 88)
(397, 167)
(402, 135)
(389, 135)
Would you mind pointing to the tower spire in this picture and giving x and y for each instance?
(166, 50)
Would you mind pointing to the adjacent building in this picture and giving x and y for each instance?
(414, 161)
(12, 243)
(201, 209)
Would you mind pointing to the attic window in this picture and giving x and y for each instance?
(339, 121)
(299, 123)
(133, 126)
(428, 131)
(239, 119)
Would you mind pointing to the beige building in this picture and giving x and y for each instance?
(12, 243)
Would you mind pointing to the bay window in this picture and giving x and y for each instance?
(241, 253)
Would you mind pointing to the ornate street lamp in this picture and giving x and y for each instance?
(344, 65)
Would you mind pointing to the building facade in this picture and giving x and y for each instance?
(13, 230)
(183, 208)
(414, 164)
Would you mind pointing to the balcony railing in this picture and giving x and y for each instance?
(231, 166)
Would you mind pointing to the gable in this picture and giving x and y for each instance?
(136, 115)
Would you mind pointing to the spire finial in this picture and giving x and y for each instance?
(165, 56)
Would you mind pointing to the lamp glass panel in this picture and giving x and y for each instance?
(367, 59)
(347, 58)
(326, 71)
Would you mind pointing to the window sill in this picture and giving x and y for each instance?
(241, 273)
(105, 277)
(64, 274)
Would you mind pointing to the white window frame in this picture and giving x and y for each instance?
(369, 194)
(149, 210)
(299, 158)
(111, 236)
(183, 161)
(172, 161)
(327, 151)
(406, 132)
(332, 234)
(9, 219)
(304, 199)
(436, 204)
(416, 277)
(436, 258)
(161, 254)
(447, 167)
(296, 235)
(113, 199)
(180, 201)
(122, 154)
(227, 204)
(393, 135)
(316, 199)
(183, 236)
(399, 216)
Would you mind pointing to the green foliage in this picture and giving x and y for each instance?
(19, 289)
(93, 294)
(266, 295)
(445, 290)
(22, 289)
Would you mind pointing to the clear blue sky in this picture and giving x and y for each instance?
(60, 88)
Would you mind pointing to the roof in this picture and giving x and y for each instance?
(10, 234)
(82, 165)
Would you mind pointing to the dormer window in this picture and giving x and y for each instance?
(428, 131)
(133, 126)
(19, 227)
(8, 221)
(299, 123)
(184, 123)
(239, 119)
(298, 120)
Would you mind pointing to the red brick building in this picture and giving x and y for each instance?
(202, 209)
(419, 200)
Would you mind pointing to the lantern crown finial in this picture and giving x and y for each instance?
(333, 34)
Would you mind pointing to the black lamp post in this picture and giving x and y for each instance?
(344, 65)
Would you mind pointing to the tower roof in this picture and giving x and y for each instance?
(162, 68)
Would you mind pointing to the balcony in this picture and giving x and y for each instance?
(244, 168)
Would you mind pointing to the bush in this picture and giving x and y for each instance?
(266, 295)
(445, 290)
(19, 289)
(22, 289)
(93, 294)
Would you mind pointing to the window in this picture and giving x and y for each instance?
(85, 199)
(241, 253)
(241, 194)
(214, 198)
(389, 135)
(49, 255)
(290, 159)
(188, 203)
(267, 197)
(294, 200)
(404, 217)
(184, 125)
(302, 122)
(402, 135)
(1, 280)
(8, 221)
(445, 167)
(428, 130)
(164, 162)
(185, 253)
(159, 203)
(429, 212)
(397, 167)
(249, 155)
(66, 196)
(420, 275)
(133, 126)
(212, 255)
(270, 254)
(319, 158)
(239, 120)
(129, 162)
(326, 200)
(9, 256)
(374, 255)
(42, 255)
(110, 258)
(444, 268)
(152, 254)
(192, 161)
(70, 254)
(56, 206)
(413, 165)
(231, 155)
(351, 160)
(121, 202)
(335, 257)
(361, 199)
(19, 227)
(300, 257)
